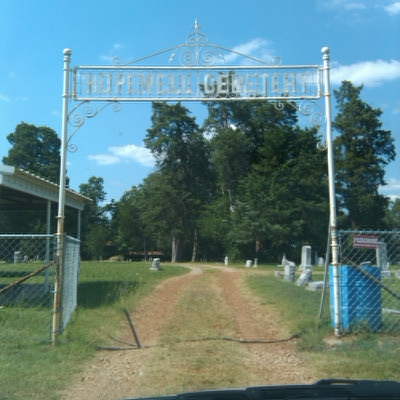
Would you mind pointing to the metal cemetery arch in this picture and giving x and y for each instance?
(201, 75)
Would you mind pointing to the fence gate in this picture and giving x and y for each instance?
(370, 280)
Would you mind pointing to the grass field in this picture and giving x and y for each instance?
(39, 370)
(362, 354)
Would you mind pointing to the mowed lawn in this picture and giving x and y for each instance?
(42, 371)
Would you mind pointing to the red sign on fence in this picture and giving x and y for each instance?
(366, 241)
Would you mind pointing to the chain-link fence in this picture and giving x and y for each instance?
(27, 279)
(70, 280)
(369, 280)
(26, 286)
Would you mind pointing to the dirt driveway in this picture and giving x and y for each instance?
(149, 371)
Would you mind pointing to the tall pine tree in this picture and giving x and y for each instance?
(183, 176)
(363, 149)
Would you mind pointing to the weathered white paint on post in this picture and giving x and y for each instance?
(61, 200)
(332, 192)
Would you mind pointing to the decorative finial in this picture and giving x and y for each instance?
(325, 50)
(196, 25)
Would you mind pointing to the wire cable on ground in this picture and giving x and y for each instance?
(208, 338)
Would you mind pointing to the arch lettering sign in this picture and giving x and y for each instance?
(198, 71)
(213, 83)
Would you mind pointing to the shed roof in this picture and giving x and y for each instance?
(20, 189)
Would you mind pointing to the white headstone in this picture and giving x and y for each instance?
(249, 263)
(382, 260)
(290, 273)
(314, 286)
(305, 278)
(17, 257)
(155, 266)
(305, 258)
(226, 260)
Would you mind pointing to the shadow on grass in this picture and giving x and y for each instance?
(100, 293)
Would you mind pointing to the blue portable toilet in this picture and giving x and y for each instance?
(360, 297)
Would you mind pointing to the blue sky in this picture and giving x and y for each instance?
(363, 35)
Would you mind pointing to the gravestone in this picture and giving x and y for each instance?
(278, 274)
(321, 261)
(314, 286)
(249, 263)
(226, 260)
(382, 260)
(255, 262)
(290, 272)
(155, 266)
(305, 258)
(17, 257)
(305, 278)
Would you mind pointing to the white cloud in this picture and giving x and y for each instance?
(393, 9)
(369, 73)
(131, 152)
(354, 6)
(127, 153)
(392, 189)
(5, 98)
(23, 99)
(393, 184)
(111, 56)
(393, 197)
(345, 5)
(104, 159)
(105, 58)
(258, 48)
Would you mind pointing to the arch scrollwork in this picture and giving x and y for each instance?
(81, 113)
(311, 109)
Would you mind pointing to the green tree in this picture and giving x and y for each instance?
(183, 176)
(393, 215)
(134, 232)
(95, 232)
(36, 150)
(229, 158)
(165, 209)
(273, 191)
(362, 151)
(283, 202)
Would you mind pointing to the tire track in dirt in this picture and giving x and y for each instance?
(113, 375)
(154, 312)
(275, 363)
